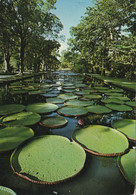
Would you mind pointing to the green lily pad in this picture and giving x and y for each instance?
(49, 95)
(22, 118)
(126, 164)
(58, 159)
(69, 90)
(113, 100)
(72, 111)
(6, 191)
(121, 108)
(131, 103)
(67, 96)
(35, 92)
(42, 108)
(11, 137)
(78, 103)
(54, 122)
(83, 92)
(101, 140)
(113, 94)
(120, 98)
(126, 126)
(98, 109)
(55, 100)
(93, 96)
(81, 85)
(18, 92)
(11, 108)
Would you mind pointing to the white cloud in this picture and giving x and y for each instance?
(63, 47)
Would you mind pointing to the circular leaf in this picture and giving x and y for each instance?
(42, 108)
(11, 137)
(78, 103)
(22, 118)
(101, 140)
(54, 122)
(126, 164)
(55, 100)
(93, 96)
(120, 98)
(120, 108)
(113, 94)
(126, 126)
(98, 109)
(58, 159)
(67, 96)
(6, 191)
(72, 111)
(113, 100)
(131, 103)
(11, 108)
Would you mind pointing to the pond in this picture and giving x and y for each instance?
(100, 175)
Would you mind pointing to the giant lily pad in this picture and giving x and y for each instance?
(53, 122)
(22, 118)
(55, 100)
(131, 103)
(98, 109)
(113, 94)
(78, 103)
(11, 108)
(113, 100)
(101, 140)
(93, 96)
(72, 111)
(6, 191)
(58, 159)
(124, 98)
(121, 108)
(11, 137)
(67, 96)
(126, 126)
(126, 164)
(42, 108)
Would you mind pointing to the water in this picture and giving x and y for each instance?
(100, 175)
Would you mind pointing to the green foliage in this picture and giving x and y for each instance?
(104, 40)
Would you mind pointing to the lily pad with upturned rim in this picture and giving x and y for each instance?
(53, 122)
(93, 96)
(11, 108)
(11, 137)
(6, 191)
(114, 94)
(121, 108)
(131, 103)
(55, 100)
(98, 109)
(58, 159)
(42, 108)
(120, 98)
(113, 100)
(126, 164)
(72, 111)
(22, 118)
(67, 96)
(126, 126)
(101, 140)
(78, 103)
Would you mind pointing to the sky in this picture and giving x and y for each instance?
(69, 12)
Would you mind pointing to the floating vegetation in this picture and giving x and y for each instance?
(11, 108)
(98, 109)
(53, 122)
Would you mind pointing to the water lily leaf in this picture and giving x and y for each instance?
(101, 140)
(11, 108)
(113, 94)
(93, 96)
(42, 108)
(6, 191)
(55, 100)
(78, 103)
(22, 118)
(67, 96)
(98, 109)
(83, 92)
(58, 159)
(35, 92)
(113, 100)
(49, 95)
(126, 126)
(126, 164)
(54, 122)
(131, 103)
(72, 111)
(80, 85)
(11, 137)
(120, 108)
(120, 98)
(17, 92)
(69, 90)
